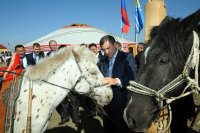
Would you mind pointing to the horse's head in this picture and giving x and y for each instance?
(89, 80)
(164, 59)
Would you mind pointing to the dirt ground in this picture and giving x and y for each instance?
(95, 125)
(196, 125)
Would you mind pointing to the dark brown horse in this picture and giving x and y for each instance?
(164, 60)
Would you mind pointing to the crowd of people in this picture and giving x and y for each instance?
(117, 67)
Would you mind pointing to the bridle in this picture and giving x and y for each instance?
(91, 93)
(192, 83)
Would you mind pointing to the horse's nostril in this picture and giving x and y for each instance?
(134, 126)
(109, 98)
(132, 123)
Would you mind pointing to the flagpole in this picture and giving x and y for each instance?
(135, 37)
(122, 41)
(135, 32)
(122, 38)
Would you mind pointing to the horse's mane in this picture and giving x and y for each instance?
(174, 37)
(47, 65)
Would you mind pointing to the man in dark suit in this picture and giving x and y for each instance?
(140, 52)
(36, 55)
(118, 69)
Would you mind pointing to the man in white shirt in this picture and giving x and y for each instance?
(53, 47)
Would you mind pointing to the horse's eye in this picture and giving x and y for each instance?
(164, 61)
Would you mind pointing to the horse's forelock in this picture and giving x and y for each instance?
(89, 55)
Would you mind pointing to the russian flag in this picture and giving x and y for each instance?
(125, 21)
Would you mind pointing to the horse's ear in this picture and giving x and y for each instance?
(165, 20)
(191, 22)
(155, 29)
(76, 55)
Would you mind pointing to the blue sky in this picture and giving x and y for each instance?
(23, 21)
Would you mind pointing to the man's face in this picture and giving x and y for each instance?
(20, 51)
(36, 49)
(53, 46)
(109, 49)
(94, 49)
(140, 48)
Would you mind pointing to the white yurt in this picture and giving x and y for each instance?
(75, 34)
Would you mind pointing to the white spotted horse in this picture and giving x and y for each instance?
(72, 68)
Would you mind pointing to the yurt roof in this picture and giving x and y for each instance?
(75, 34)
(2, 46)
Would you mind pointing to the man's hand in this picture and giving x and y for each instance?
(110, 81)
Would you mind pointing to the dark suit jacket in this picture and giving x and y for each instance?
(30, 59)
(138, 59)
(49, 53)
(124, 68)
(101, 56)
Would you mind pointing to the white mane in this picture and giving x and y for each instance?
(46, 65)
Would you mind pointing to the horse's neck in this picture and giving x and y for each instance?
(65, 76)
(46, 95)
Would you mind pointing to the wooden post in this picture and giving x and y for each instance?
(28, 125)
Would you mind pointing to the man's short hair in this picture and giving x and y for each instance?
(61, 46)
(83, 44)
(36, 44)
(52, 41)
(91, 45)
(19, 46)
(106, 38)
(118, 43)
(130, 49)
(141, 43)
